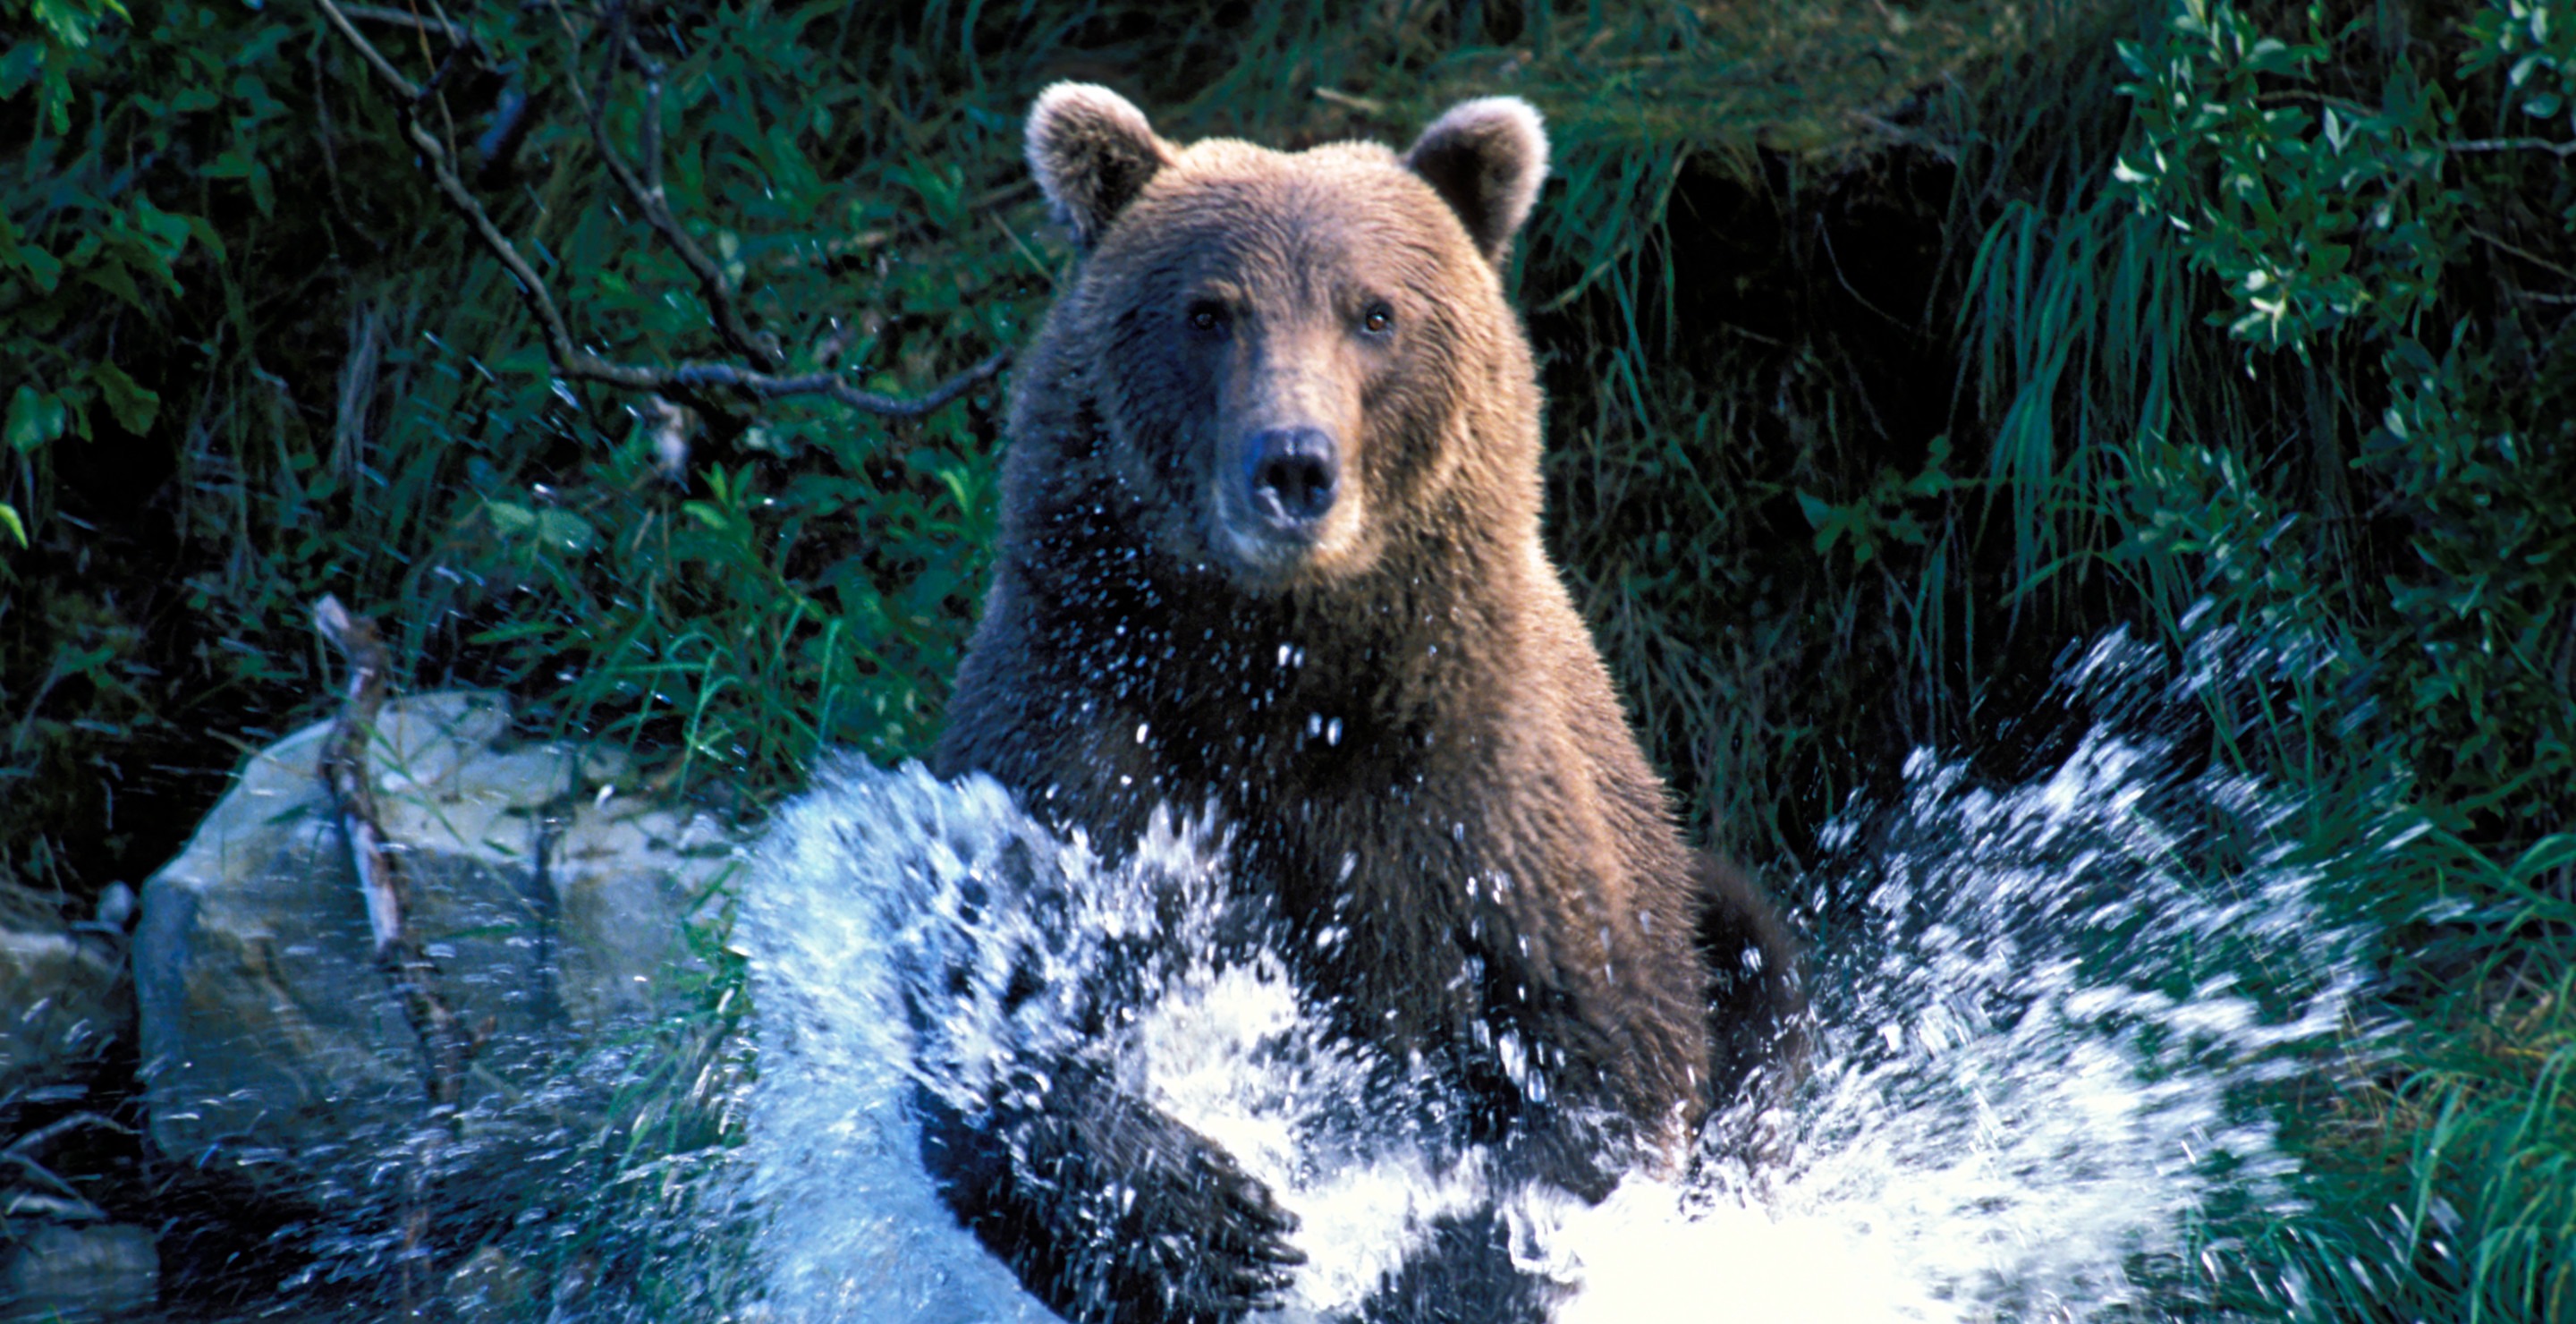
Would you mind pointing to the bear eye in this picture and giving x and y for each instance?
(1207, 315)
(1378, 318)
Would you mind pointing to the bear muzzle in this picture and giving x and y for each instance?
(1286, 507)
(1291, 476)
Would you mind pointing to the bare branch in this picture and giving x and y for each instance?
(343, 770)
(403, 87)
(569, 360)
(42, 1173)
(2559, 150)
(713, 285)
(446, 1045)
(436, 27)
(37, 1138)
(830, 383)
(2525, 254)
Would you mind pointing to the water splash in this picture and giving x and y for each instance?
(2048, 1018)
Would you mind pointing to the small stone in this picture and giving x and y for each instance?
(62, 1002)
(116, 906)
(100, 1274)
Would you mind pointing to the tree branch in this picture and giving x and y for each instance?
(647, 194)
(446, 1044)
(568, 359)
(829, 383)
(436, 27)
(392, 77)
(2559, 150)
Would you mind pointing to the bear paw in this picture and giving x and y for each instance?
(1109, 1210)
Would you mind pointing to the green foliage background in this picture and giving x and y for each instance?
(1891, 349)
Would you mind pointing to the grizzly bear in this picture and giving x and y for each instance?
(1270, 549)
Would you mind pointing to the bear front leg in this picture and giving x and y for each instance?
(1108, 1210)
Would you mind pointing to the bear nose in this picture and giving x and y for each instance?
(1294, 473)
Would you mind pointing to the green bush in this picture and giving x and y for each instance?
(2336, 192)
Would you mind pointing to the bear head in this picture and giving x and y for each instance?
(1287, 364)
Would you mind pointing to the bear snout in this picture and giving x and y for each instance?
(1292, 475)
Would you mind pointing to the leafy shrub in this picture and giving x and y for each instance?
(2329, 186)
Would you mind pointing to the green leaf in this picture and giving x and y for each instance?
(134, 405)
(112, 277)
(234, 164)
(42, 269)
(509, 518)
(204, 230)
(9, 520)
(18, 67)
(509, 633)
(166, 233)
(34, 419)
(69, 24)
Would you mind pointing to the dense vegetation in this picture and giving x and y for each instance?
(1891, 350)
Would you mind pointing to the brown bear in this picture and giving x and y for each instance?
(1270, 546)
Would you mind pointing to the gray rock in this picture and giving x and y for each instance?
(115, 911)
(100, 1274)
(63, 1000)
(275, 1053)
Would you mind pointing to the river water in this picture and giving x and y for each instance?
(2049, 1017)
(2054, 1016)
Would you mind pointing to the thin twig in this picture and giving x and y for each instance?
(2359, 111)
(41, 1173)
(649, 198)
(650, 131)
(1834, 260)
(343, 770)
(2560, 150)
(829, 383)
(53, 1208)
(403, 87)
(59, 1125)
(447, 1047)
(569, 360)
(2518, 251)
(438, 27)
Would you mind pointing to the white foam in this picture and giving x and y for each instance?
(2038, 1045)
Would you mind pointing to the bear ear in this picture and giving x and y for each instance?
(1092, 152)
(1486, 159)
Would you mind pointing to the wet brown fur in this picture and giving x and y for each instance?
(1401, 716)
